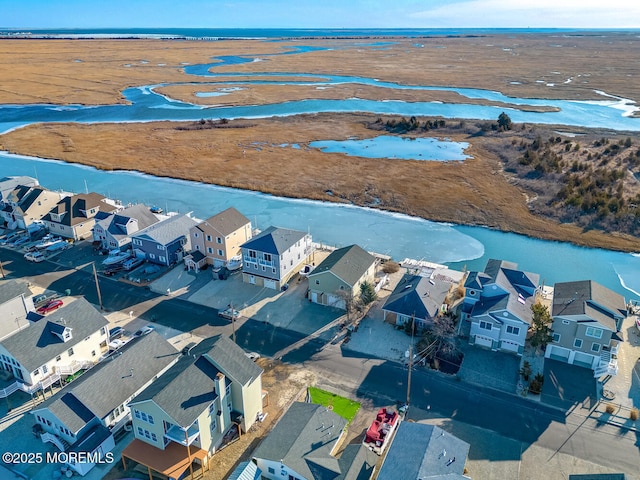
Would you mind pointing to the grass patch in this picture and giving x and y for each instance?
(344, 407)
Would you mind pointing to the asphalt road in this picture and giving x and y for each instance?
(381, 382)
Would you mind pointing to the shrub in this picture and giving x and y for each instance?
(633, 414)
(390, 267)
(610, 408)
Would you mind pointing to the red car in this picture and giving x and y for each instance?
(50, 307)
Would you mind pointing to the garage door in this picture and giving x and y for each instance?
(270, 283)
(558, 353)
(583, 359)
(509, 346)
(484, 341)
(334, 301)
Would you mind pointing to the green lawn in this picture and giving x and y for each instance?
(344, 407)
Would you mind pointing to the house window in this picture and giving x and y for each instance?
(214, 423)
(93, 353)
(221, 252)
(566, 322)
(136, 413)
(208, 238)
(267, 257)
(227, 390)
(252, 255)
(272, 471)
(577, 343)
(44, 369)
(273, 270)
(317, 282)
(219, 240)
(198, 247)
(513, 330)
(152, 256)
(58, 358)
(195, 234)
(103, 331)
(70, 351)
(153, 437)
(593, 332)
(485, 325)
(162, 258)
(595, 347)
(160, 247)
(140, 432)
(556, 337)
(36, 372)
(151, 421)
(210, 250)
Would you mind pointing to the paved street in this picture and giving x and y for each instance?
(462, 408)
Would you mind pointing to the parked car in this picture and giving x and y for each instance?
(45, 297)
(9, 238)
(34, 257)
(113, 269)
(144, 331)
(50, 306)
(132, 263)
(30, 248)
(116, 344)
(116, 332)
(229, 313)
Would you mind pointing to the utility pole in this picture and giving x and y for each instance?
(413, 326)
(233, 321)
(95, 275)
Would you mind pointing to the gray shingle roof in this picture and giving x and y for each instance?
(74, 205)
(10, 289)
(36, 344)
(274, 240)
(115, 223)
(591, 298)
(421, 451)
(348, 263)
(227, 221)
(303, 440)
(417, 296)
(7, 184)
(187, 388)
(113, 381)
(519, 286)
(168, 230)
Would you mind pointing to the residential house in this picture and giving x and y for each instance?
(16, 302)
(275, 255)
(65, 341)
(74, 216)
(185, 414)
(165, 242)
(338, 277)
(9, 184)
(97, 401)
(217, 240)
(421, 451)
(27, 204)
(498, 304)
(417, 297)
(303, 446)
(114, 231)
(586, 319)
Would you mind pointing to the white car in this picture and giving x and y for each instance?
(116, 344)
(34, 257)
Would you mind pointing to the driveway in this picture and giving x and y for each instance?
(497, 370)
(566, 386)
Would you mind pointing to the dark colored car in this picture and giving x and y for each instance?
(50, 307)
(116, 332)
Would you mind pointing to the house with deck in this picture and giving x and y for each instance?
(422, 451)
(28, 204)
(52, 347)
(275, 255)
(96, 403)
(586, 320)
(16, 304)
(74, 216)
(338, 277)
(217, 240)
(304, 445)
(419, 298)
(498, 303)
(165, 242)
(184, 416)
(115, 229)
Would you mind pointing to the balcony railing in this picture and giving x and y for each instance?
(179, 435)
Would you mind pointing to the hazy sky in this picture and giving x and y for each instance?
(319, 13)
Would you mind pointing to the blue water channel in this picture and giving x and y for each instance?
(397, 235)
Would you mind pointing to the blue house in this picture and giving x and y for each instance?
(165, 242)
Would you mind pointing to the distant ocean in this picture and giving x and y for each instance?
(275, 33)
